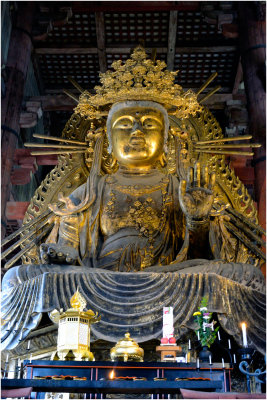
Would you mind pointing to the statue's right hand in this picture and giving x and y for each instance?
(51, 253)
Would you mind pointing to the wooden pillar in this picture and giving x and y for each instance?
(252, 26)
(18, 59)
(252, 36)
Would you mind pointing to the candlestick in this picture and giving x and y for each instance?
(229, 344)
(197, 363)
(234, 359)
(28, 346)
(7, 356)
(222, 362)
(210, 359)
(31, 358)
(219, 336)
(189, 344)
(244, 333)
(198, 337)
(18, 369)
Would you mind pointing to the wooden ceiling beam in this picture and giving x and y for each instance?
(172, 39)
(126, 50)
(101, 42)
(206, 49)
(134, 6)
(55, 102)
(66, 50)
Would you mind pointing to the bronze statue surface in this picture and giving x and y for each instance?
(148, 215)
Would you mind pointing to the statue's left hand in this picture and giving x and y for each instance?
(196, 193)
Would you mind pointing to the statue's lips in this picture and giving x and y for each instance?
(137, 141)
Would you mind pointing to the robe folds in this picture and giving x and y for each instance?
(131, 301)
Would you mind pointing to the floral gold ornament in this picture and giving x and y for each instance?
(139, 79)
(74, 330)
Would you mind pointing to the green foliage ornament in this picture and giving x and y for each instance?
(206, 332)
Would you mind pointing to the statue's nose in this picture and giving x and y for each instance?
(137, 129)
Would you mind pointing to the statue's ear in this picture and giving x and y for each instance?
(163, 160)
(113, 161)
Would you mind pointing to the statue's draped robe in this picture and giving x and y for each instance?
(108, 253)
(133, 301)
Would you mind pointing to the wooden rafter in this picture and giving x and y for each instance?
(172, 39)
(100, 36)
(126, 50)
(134, 6)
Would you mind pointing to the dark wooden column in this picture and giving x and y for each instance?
(252, 26)
(19, 54)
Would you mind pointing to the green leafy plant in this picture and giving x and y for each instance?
(206, 332)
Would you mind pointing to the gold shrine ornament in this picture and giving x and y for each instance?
(127, 349)
(74, 330)
(139, 78)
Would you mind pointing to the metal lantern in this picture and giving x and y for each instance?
(74, 330)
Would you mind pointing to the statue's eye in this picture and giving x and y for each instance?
(148, 124)
(124, 124)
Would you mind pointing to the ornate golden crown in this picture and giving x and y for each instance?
(139, 78)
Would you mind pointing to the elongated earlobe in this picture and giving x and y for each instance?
(113, 162)
(163, 160)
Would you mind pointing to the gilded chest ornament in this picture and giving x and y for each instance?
(143, 213)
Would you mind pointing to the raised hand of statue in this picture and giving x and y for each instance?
(196, 193)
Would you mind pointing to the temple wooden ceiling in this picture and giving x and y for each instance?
(82, 39)
(79, 39)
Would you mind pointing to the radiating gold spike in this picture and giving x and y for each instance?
(248, 231)
(210, 94)
(19, 242)
(243, 238)
(47, 153)
(154, 55)
(240, 153)
(228, 146)
(75, 84)
(57, 139)
(71, 95)
(251, 224)
(208, 81)
(225, 139)
(34, 221)
(28, 247)
(55, 146)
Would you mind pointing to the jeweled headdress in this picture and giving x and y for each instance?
(139, 78)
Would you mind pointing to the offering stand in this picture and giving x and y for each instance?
(161, 377)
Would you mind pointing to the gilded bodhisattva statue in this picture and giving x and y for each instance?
(142, 213)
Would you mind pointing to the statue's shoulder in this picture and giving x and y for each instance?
(91, 184)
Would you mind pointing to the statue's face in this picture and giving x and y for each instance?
(137, 135)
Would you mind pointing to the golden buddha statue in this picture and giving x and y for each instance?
(145, 192)
(138, 211)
